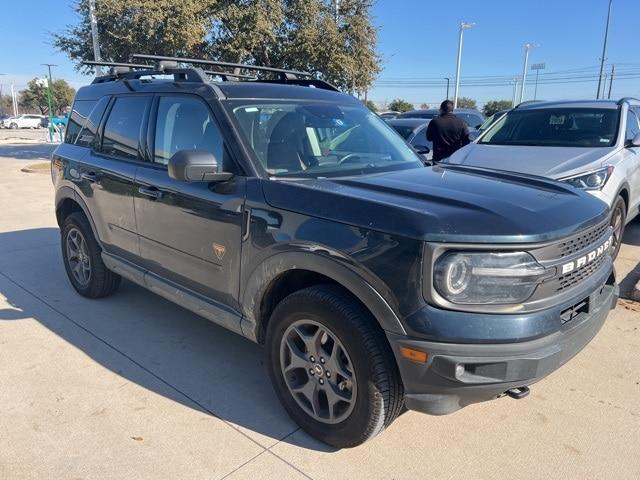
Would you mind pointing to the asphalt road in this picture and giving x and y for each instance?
(136, 387)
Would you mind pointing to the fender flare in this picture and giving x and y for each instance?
(264, 274)
(68, 193)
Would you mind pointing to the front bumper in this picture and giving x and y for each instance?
(459, 374)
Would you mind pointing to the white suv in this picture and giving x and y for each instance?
(594, 145)
(23, 121)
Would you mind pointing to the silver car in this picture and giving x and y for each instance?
(593, 145)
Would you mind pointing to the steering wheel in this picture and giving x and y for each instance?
(348, 157)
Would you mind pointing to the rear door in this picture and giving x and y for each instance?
(107, 175)
(189, 232)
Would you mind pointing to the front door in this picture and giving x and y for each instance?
(189, 232)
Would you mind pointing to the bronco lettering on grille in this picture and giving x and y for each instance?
(588, 258)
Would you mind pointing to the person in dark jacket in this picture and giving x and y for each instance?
(447, 132)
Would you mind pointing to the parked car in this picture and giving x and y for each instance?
(491, 119)
(473, 118)
(388, 115)
(296, 217)
(592, 145)
(22, 121)
(414, 131)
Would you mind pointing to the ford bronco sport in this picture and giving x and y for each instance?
(289, 213)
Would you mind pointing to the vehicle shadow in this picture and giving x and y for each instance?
(27, 151)
(147, 340)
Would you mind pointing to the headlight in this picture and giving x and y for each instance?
(590, 181)
(479, 278)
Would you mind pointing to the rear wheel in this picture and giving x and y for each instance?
(331, 366)
(618, 217)
(83, 261)
(13, 126)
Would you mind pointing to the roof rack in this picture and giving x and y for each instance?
(283, 74)
(125, 71)
(171, 66)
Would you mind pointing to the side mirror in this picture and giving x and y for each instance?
(196, 166)
(421, 149)
(635, 141)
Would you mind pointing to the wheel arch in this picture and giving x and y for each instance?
(68, 202)
(285, 273)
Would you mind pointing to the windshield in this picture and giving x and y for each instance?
(555, 127)
(320, 140)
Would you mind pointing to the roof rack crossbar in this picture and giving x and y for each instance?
(116, 64)
(283, 73)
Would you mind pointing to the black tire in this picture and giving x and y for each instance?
(101, 281)
(618, 218)
(379, 395)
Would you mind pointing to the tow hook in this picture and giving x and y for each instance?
(518, 392)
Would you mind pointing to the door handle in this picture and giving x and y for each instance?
(89, 177)
(152, 192)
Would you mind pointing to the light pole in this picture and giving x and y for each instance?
(463, 25)
(537, 67)
(50, 98)
(604, 51)
(1, 74)
(527, 47)
(515, 91)
(613, 70)
(94, 35)
(447, 79)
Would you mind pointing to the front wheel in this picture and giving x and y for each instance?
(331, 366)
(618, 218)
(13, 126)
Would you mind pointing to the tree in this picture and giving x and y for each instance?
(494, 106)
(371, 106)
(424, 106)
(6, 105)
(296, 34)
(35, 95)
(466, 102)
(400, 105)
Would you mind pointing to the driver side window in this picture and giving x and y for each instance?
(184, 122)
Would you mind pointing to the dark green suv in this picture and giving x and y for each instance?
(289, 213)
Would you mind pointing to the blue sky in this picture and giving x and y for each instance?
(417, 39)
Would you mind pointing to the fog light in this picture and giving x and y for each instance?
(459, 370)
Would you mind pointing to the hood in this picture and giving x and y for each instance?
(444, 204)
(553, 162)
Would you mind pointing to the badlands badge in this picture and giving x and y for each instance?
(219, 250)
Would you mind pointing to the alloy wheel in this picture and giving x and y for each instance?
(78, 257)
(318, 371)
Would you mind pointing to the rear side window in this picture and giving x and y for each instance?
(89, 131)
(77, 118)
(122, 128)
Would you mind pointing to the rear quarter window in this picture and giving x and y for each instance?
(88, 133)
(77, 118)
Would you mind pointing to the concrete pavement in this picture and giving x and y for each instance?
(136, 387)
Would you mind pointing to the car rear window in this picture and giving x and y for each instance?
(122, 129)
(404, 131)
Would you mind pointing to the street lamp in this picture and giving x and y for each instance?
(50, 98)
(537, 67)
(604, 52)
(527, 47)
(463, 25)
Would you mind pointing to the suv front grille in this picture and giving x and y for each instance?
(570, 279)
(582, 241)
